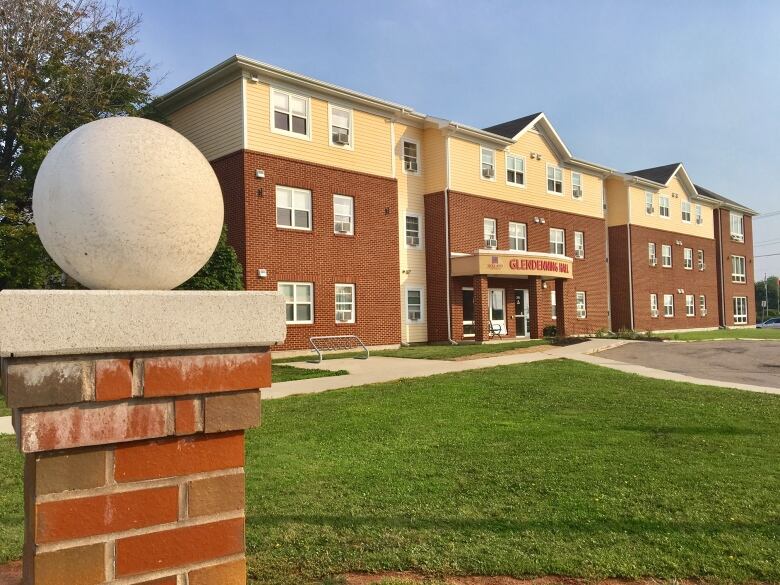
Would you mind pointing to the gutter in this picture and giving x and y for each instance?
(447, 240)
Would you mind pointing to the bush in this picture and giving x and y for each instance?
(550, 331)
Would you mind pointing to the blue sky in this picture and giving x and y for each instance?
(627, 84)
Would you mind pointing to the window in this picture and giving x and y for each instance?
(340, 127)
(699, 216)
(700, 257)
(651, 257)
(413, 231)
(489, 232)
(740, 310)
(291, 113)
(663, 206)
(685, 209)
(576, 185)
(690, 306)
(579, 245)
(488, 158)
(554, 179)
(411, 157)
(668, 306)
(345, 303)
(553, 305)
(515, 170)
(649, 209)
(293, 208)
(414, 305)
(737, 227)
(468, 312)
(343, 214)
(688, 258)
(581, 305)
(299, 301)
(518, 239)
(738, 269)
(557, 241)
(666, 256)
(703, 305)
(653, 305)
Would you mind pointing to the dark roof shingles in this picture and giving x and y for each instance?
(660, 174)
(513, 127)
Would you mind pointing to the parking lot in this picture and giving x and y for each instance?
(746, 362)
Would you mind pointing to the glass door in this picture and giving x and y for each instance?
(522, 312)
(497, 312)
(468, 312)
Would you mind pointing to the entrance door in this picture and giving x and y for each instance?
(497, 311)
(522, 312)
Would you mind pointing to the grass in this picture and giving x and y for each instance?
(433, 352)
(748, 333)
(4, 410)
(282, 373)
(555, 467)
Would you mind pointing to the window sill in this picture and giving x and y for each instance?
(294, 229)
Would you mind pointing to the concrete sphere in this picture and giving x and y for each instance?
(127, 203)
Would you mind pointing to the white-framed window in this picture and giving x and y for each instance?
(576, 185)
(413, 231)
(554, 179)
(685, 211)
(666, 256)
(688, 258)
(579, 245)
(651, 255)
(663, 206)
(298, 300)
(653, 305)
(515, 170)
(668, 305)
(582, 308)
(738, 273)
(649, 209)
(557, 241)
(740, 310)
(703, 305)
(698, 213)
(488, 163)
(737, 226)
(489, 232)
(411, 156)
(518, 238)
(343, 214)
(293, 208)
(340, 126)
(415, 310)
(700, 259)
(553, 305)
(345, 303)
(290, 114)
(690, 306)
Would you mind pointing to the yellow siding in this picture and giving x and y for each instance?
(411, 188)
(214, 122)
(674, 222)
(617, 202)
(371, 152)
(466, 176)
(434, 161)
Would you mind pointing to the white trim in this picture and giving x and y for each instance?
(421, 290)
(506, 170)
(550, 240)
(665, 305)
(472, 321)
(743, 317)
(501, 322)
(582, 237)
(690, 308)
(652, 203)
(393, 148)
(582, 189)
(492, 151)
(244, 121)
(351, 199)
(670, 256)
(668, 206)
(525, 237)
(289, 133)
(685, 259)
(683, 202)
(654, 305)
(293, 209)
(420, 230)
(548, 166)
(403, 156)
(295, 302)
(351, 130)
(738, 277)
(353, 303)
(584, 314)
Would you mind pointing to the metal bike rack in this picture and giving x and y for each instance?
(323, 343)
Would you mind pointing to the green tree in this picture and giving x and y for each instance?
(62, 64)
(223, 271)
(766, 291)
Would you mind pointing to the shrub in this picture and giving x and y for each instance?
(550, 331)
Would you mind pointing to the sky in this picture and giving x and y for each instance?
(628, 84)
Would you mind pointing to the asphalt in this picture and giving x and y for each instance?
(742, 361)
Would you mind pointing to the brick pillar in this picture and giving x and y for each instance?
(565, 310)
(481, 308)
(536, 305)
(134, 464)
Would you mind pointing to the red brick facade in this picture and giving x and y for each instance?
(369, 259)
(727, 247)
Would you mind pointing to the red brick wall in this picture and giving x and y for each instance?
(656, 279)
(729, 248)
(230, 173)
(436, 267)
(619, 277)
(369, 259)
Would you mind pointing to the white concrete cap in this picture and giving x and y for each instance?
(47, 322)
(127, 204)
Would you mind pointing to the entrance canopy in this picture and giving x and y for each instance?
(512, 264)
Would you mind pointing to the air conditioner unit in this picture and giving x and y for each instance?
(654, 313)
(650, 209)
(488, 173)
(702, 267)
(699, 220)
(491, 243)
(737, 238)
(579, 253)
(653, 261)
(410, 165)
(414, 315)
(704, 312)
(341, 137)
(577, 193)
(413, 241)
(343, 227)
(343, 316)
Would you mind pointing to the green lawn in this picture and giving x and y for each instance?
(433, 352)
(550, 468)
(4, 410)
(751, 333)
(281, 373)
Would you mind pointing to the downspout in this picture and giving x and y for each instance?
(447, 239)
(605, 213)
(722, 270)
(630, 263)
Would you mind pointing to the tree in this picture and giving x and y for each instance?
(766, 290)
(62, 64)
(223, 271)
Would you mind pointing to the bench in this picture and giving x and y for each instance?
(324, 343)
(495, 329)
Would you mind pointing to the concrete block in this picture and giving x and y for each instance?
(231, 411)
(47, 383)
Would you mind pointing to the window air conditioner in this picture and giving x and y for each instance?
(343, 227)
(654, 313)
(413, 241)
(702, 267)
(342, 316)
(491, 243)
(578, 193)
(737, 238)
(488, 173)
(704, 312)
(650, 209)
(699, 220)
(579, 253)
(653, 261)
(414, 315)
(410, 165)
(341, 137)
